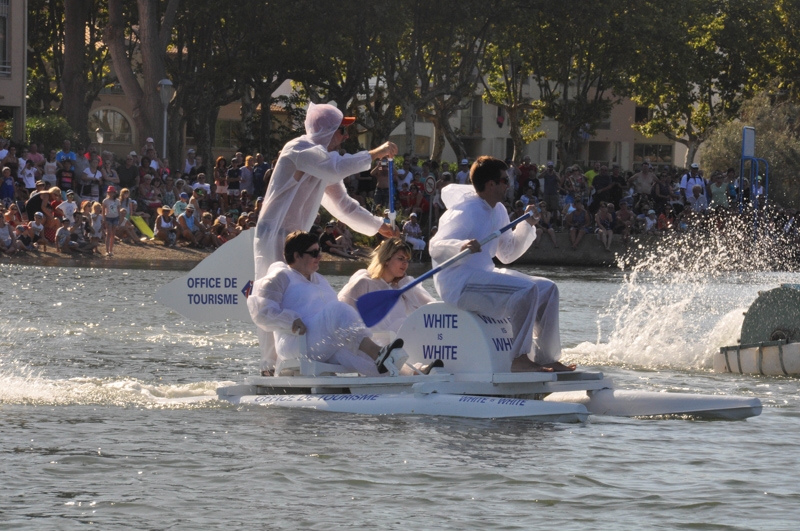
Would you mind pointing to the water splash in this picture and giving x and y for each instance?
(683, 296)
(24, 386)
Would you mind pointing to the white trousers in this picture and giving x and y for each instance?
(333, 335)
(530, 302)
(416, 243)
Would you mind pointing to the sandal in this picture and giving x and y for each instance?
(384, 353)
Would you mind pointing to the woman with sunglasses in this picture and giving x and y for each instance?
(294, 300)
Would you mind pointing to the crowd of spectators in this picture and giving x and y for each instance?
(602, 201)
(78, 201)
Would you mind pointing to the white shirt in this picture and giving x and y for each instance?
(361, 283)
(470, 217)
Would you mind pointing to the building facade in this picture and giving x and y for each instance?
(13, 62)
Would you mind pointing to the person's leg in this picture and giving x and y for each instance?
(552, 234)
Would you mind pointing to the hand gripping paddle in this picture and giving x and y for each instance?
(376, 305)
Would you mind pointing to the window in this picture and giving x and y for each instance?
(115, 127)
(227, 134)
(653, 152)
(5, 61)
(641, 115)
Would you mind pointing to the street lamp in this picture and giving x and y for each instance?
(167, 91)
(100, 135)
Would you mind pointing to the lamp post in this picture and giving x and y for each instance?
(167, 91)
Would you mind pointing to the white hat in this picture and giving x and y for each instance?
(401, 172)
(651, 212)
(464, 161)
(132, 154)
(150, 139)
(190, 150)
(695, 166)
(223, 220)
(412, 215)
(550, 163)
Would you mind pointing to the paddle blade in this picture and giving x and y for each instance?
(374, 306)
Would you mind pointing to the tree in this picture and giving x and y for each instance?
(777, 124)
(579, 54)
(452, 63)
(152, 36)
(712, 58)
(506, 83)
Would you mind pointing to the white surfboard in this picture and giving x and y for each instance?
(218, 287)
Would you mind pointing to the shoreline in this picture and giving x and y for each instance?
(155, 256)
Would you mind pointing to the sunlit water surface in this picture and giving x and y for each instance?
(108, 419)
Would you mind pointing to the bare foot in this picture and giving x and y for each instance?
(524, 364)
(560, 367)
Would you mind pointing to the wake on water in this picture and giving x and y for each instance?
(684, 295)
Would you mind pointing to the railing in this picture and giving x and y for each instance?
(5, 68)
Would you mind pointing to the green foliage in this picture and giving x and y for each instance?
(711, 60)
(49, 131)
(777, 125)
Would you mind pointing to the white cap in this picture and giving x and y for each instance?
(550, 163)
(150, 139)
(695, 166)
(464, 161)
(223, 220)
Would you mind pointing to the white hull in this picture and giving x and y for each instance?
(621, 403)
(544, 397)
(477, 407)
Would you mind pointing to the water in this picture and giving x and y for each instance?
(108, 419)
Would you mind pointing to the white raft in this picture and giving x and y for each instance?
(475, 382)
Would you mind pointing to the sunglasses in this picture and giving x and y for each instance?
(314, 253)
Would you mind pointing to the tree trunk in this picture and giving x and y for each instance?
(153, 37)
(73, 81)
(247, 140)
(516, 134)
(409, 112)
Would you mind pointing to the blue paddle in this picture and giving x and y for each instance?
(376, 305)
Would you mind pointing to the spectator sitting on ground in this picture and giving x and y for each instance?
(412, 233)
(624, 222)
(207, 225)
(8, 240)
(698, 200)
(579, 223)
(165, 227)
(125, 231)
(345, 238)
(188, 229)
(605, 231)
(328, 244)
(544, 225)
(651, 223)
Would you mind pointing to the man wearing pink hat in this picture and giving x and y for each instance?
(309, 173)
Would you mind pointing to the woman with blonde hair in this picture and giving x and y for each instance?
(387, 270)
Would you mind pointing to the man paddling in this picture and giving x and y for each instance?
(474, 284)
(309, 173)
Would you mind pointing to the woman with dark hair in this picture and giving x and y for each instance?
(293, 300)
(387, 271)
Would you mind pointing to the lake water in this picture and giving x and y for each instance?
(108, 420)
